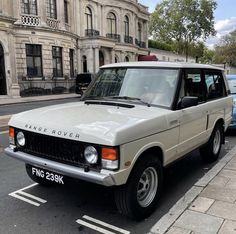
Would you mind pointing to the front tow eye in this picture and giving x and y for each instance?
(86, 168)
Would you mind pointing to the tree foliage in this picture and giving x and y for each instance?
(184, 21)
(225, 51)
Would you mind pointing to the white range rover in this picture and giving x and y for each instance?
(133, 120)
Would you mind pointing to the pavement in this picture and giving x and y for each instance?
(209, 207)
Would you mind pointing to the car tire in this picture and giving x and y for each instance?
(37, 179)
(139, 196)
(210, 151)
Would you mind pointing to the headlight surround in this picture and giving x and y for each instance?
(91, 155)
(20, 137)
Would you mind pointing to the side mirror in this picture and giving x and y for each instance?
(188, 101)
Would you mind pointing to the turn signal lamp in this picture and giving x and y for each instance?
(110, 158)
(11, 136)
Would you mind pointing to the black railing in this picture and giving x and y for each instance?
(141, 44)
(113, 36)
(128, 39)
(91, 33)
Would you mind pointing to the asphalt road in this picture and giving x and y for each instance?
(59, 207)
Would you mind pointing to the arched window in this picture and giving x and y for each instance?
(111, 22)
(126, 26)
(139, 32)
(101, 58)
(116, 59)
(89, 18)
(126, 59)
(84, 61)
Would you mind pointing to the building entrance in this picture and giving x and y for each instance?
(3, 87)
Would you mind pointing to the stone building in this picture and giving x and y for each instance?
(44, 43)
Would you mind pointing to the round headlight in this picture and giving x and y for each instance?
(20, 138)
(91, 155)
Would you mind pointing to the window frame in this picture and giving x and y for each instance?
(56, 58)
(126, 22)
(52, 4)
(89, 18)
(34, 56)
(110, 22)
(29, 7)
(66, 12)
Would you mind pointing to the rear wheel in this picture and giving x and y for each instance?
(138, 197)
(210, 152)
(37, 179)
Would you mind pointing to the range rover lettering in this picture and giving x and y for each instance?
(133, 120)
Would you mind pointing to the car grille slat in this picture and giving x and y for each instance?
(54, 148)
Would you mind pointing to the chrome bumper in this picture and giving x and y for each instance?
(64, 169)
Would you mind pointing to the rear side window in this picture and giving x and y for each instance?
(215, 84)
(194, 85)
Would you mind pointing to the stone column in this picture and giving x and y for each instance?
(90, 59)
(60, 14)
(96, 59)
(41, 6)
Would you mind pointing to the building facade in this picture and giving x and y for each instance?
(44, 43)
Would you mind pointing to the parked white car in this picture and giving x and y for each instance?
(133, 120)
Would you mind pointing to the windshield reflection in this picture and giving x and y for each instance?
(153, 86)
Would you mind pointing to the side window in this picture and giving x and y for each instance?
(215, 84)
(194, 85)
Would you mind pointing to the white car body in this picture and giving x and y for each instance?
(172, 132)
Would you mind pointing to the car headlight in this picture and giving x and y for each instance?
(91, 155)
(20, 137)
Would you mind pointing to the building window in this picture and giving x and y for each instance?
(126, 59)
(111, 21)
(34, 60)
(29, 7)
(71, 54)
(66, 12)
(139, 32)
(84, 62)
(57, 61)
(126, 26)
(89, 18)
(52, 9)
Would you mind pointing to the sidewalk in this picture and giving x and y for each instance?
(209, 207)
(4, 100)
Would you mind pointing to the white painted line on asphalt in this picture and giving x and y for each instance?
(106, 224)
(32, 196)
(24, 199)
(94, 227)
(4, 132)
(18, 194)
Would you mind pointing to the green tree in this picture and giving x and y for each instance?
(184, 21)
(225, 51)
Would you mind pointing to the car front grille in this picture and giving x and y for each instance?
(55, 148)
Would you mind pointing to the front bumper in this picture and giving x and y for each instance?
(106, 179)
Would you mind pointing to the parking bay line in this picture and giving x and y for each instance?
(101, 223)
(19, 192)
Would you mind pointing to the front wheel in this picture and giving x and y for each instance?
(210, 152)
(138, 197)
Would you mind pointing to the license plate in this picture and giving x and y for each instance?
(48, 175)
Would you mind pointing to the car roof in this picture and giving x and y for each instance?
(158, 64)
(231, 77)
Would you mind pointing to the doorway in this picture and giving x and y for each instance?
(3, 87)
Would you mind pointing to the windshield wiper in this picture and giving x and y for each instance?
(129, 99)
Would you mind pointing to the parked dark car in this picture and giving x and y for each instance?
(232, 86)
(82, 82)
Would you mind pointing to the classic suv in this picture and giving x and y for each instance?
(133, 120)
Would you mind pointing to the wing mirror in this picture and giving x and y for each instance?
(188, 101)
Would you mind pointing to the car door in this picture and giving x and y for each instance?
(193, 120)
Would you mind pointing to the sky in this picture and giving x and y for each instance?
(225, 17)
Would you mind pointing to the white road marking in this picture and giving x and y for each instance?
(94, 227)
(32, 196)
(24, 199)
(4, 132)
(106, 224)
(17, 194)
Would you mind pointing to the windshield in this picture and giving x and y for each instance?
(232, 85)
(154, 86)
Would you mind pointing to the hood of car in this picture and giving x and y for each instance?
(94, 123)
